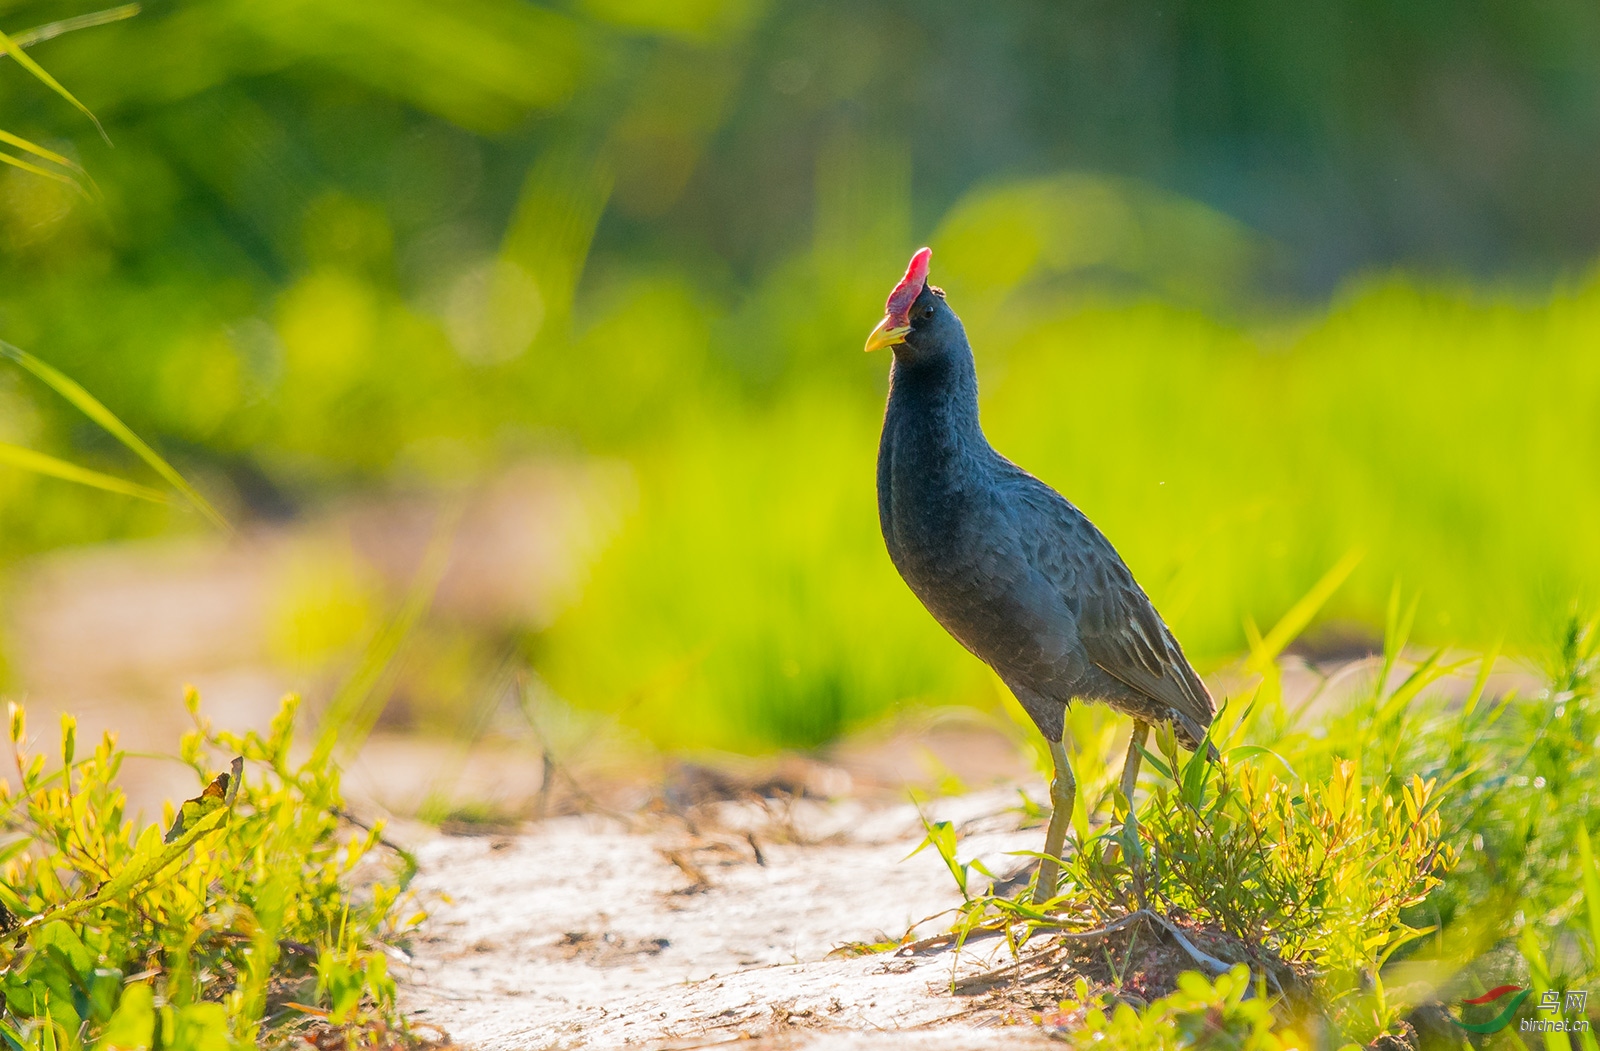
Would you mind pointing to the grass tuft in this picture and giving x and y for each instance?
(261, 916)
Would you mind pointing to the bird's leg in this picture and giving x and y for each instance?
(1063, 791)
(1130, 765)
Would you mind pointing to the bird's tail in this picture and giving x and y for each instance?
(1193, 735)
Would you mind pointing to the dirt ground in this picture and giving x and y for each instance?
(588, 933)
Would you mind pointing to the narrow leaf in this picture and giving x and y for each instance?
(38, 151)
(91, 407)
(1591, 885)
(1251, 751)
(1294, 621)
(41, 463)
(1397, 631)
(28, 166)
(1485, 667)
(355, 708)
(51, 30)
(10, 46)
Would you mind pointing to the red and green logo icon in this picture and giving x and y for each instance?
(1501, 1020)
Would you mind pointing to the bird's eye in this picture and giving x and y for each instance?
(925, 313)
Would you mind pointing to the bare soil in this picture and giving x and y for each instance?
(594, 932)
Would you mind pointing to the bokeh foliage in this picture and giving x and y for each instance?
(346, 245)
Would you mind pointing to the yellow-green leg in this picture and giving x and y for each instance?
(1130, 765)
(1063, 791)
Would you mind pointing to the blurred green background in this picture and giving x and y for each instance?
(1255, 285)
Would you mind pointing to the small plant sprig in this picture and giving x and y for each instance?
(1309, 880)
(258, 916)
(1312, 871)
(1200, 1014)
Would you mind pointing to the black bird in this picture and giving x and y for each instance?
(1011, 569)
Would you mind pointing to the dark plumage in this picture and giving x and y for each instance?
(1011, 569)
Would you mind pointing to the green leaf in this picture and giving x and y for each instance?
(1397, 630)
(941, 835)
(1155, 762)
(63, 939)
(91, 407)
(1194, 775)
(7, 45)
(38, 151)
(217, 795)
(42, 463)
(200, 1027)
(150, 857)
(51, 30)
(133, 1026)
(1539, 978)
(1485, 667)
(18, 162)
(1591, 885)
(1251, 751)
(1426, 674)
(12, 1038)
(1265, 650)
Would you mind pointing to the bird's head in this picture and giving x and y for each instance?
(916, 321)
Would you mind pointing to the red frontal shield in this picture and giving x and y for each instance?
(905, 293)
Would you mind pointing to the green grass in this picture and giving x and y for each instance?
(1409, 848)
(259, 919)
(256, 920)
(1446, 433)
(1219, 1015)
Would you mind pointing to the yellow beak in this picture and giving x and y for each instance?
(886, 335)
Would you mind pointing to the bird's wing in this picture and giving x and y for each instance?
(1121, 632)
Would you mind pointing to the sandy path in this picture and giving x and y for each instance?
(584, 934)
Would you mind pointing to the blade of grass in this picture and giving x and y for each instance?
(11, 47)
(1539, 978)
(356, 706)
(1397, 631)
(38, 151)
(51, 30)
(1591, 887)
(1294, 621)
(1425, 674)
(1485, 668)
(27, 166)
(1156, 762)
(1243, 722)
(91, 407)
(1239, 753)
(42, 463)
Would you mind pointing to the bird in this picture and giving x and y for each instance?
(1018, 575)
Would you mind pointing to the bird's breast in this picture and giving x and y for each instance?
(950, 534)
(929, 505)
(946, 534)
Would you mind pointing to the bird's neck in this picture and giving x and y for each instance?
(939, 399)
